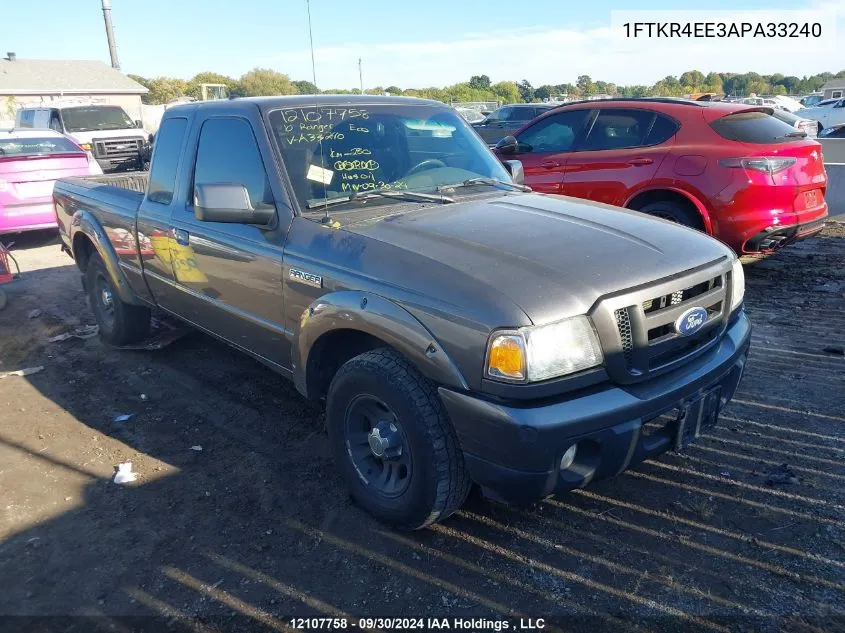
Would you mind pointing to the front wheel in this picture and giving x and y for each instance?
(393, 441)
(120, 323)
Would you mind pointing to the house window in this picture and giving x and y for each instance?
(836, 94)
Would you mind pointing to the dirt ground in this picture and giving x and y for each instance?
(744, 532)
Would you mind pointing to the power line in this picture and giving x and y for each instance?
(311, 39)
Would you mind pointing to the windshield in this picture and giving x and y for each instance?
(17, 147)
(332, 151)
(87, 118)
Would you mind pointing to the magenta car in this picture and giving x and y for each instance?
(30, 162)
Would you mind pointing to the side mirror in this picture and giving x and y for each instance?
(516, 170)
(508, 145)
(230, 203)
(138, 124)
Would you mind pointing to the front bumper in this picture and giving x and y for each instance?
(513, 452)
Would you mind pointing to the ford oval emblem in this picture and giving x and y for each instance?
(691, 321)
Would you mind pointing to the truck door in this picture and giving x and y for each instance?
(229, 275)
(154, 233)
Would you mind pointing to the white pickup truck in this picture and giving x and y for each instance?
(106, 131)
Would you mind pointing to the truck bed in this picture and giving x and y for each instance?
(133, 181)
(112, 199)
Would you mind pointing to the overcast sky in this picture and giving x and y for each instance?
(430, 43)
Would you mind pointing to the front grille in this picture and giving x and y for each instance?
(638, 329)
(623, 322)
(117, 147)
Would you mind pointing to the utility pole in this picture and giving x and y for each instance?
(110, 34)
(360, 75)
(311, 39)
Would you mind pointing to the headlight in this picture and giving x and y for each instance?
(532, 354)
(737, 285)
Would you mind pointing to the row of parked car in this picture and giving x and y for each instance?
(750, 175)
(64, 138)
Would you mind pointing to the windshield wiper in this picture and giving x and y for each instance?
(493, 182)
(376, 193)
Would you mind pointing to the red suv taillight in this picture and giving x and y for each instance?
(765, 164)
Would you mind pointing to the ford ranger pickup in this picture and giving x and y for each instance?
(459, 327)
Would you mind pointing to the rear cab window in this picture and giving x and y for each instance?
(756, 127)
(168, 148)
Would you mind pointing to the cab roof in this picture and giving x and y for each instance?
(295, 101)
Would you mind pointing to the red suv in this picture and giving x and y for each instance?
(731, 170)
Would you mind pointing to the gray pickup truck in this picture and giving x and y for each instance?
(459, 327)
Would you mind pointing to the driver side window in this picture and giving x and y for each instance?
(556, 133)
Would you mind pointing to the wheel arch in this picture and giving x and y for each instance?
(89, 237)
(341, 325)
(674, 194)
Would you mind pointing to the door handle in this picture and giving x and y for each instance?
(549, 164)
(641, 161)
(182, 237)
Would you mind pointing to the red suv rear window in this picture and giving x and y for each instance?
(755, 127)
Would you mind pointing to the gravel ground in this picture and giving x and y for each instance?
(744, 532)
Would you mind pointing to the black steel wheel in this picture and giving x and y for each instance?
(120, 322)
(377, 446)
(393, 441)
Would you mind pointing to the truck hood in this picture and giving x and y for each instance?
(553, 256)
(89, 136)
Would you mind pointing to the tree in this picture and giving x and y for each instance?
(544, 92)
(141, 80)
(526, 91)
(165, 89)
(692, 78)
(480, 82)
(194, 88)
(505, 91)
(306, 87)
(779, 90)
(260, 82)
(394, 90)
(790, 82)
(585, 85)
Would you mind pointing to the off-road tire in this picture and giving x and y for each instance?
(439, 480)
(127, 323)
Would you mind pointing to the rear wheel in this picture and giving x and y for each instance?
(674, 212)
(393, 441)
(120, 323)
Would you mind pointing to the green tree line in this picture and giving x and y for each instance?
(263, 81)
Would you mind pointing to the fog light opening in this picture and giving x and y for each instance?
(568, 457)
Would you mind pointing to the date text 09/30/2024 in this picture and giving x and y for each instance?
(418, 624)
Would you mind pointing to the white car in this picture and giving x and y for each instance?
(827, 113)
(808, 126)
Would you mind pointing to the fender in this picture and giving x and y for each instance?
(85, 222)
(693, 199)
(371, 314)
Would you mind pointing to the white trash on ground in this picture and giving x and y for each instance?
(83, 333)
(196, 447)
(21, 372)
(124, 473)
(123, 417)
